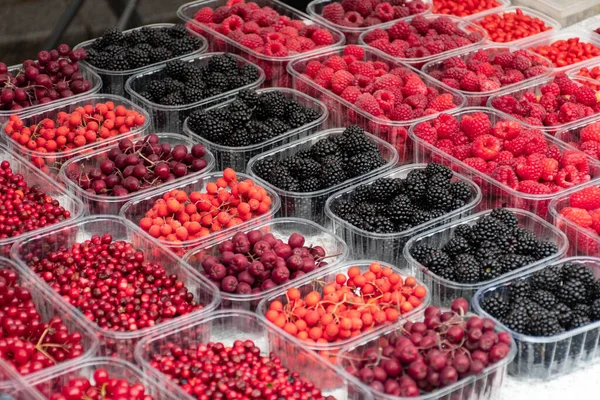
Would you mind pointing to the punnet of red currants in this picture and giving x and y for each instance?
(131, 166)
(28, 342)
(54, 75)
(216, 371)
(437, 351)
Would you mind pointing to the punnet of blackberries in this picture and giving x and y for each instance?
(548, 302)
(186, 82)
(252, 118)
(391, 205)
(328, 162)
(492, 246)
(121, 51)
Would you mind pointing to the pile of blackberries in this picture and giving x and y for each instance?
(118, 51)
(251, 118)
(493, 246)
(328, 162)
(549, 301)
(181, 82)
(391, 205)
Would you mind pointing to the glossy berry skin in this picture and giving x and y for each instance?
(463, 8)
(504, 27)
(566, 52)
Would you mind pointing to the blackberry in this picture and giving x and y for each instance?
(293, 106)
(172, 85)
(400, 209)
(279, 127)
(544, 324)
(358, 221)
(259, 132)
(342, 208)
(518, 320)
(544, 298)
(281, 178)
(173, 99)
(311, 184)
(112, 36)
(457, 245)
(118, 63)
(437, 260)
(439, 180)
(460, 191)
(192, 95)
(178, 31)
(239, 119)
(324, 148)
(248, 96)
(518, 291)
(274, 103)
(380, 224)
(306, 168)
(332, 174)
(545, 249)
(250, 72)
(415, 185)
(563, 314)
(487, 228)
(490, 269)
(578, 321)
(511, 262)
(438, 197)
(235, 82)
(223, 63)
(526, 243)
(505, 216)
(297, 119)
(582, 309)
(311, 114)
(358, 143)
(364, 163)
(507, 243)
(434, 169)
(421, 251)
(263, 167)
(366, 209)
(579, 272)
(487, 250)
(436, 213)
(548, 278)
(467, 269)
(238, 138)
(386, 188)
(156, 89)
(185, 46)
(353, 129)
(115, 50)
(159, 54)
(496, 306)
(463, 230)
(219, 81)
(161, 39)
(595, 310)
(98, 59)
(210, 127)
(420, 217)
(572, 292)
(455, 204)
(448, 273)
(135, 37)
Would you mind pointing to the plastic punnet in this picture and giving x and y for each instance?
(480, 98)
(501, 7)
(461, 23)
(496, 194)
(443, 291)
(170, 118)
(317, 282)
(33, 176)
(342, 112)
(547, 357)
(88, 74)
(51, 162)
(315, 10)
(96, 204)
(136, 209)
(115, 367)
(12, 384)
(484, 386)
(113, 343)
(238, 157)
(335, 249)
(567, 13)
(47, 307)
(274, 67)
(388, 247)
(231, 325)
(113, 82)
(311, 205)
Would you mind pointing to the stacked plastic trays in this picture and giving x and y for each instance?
(113, 82)
(389, 246)
(311, 205)
(112, 342)
(171, 118)
(51, 162)
(110, 204)
(443, 291)
(547, 357)
(274, 67)
(238, 157)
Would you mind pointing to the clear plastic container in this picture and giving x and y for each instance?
(343, 113)
(96, 204)
(47, 307)
(33, 176)
(388, 246)
(113, 82)
(496, 194)
(574, 73)
(443, 291)
(316, 283)
(15, 386)
(571, 136)
(479, 99)
(547, 357)
(552, 23)
(502, 6)
(238, 157)
(113, 343)
(315, 10)
(120, 369)
(563, 34)
(335, 249)
(136, 209)
(170, 118)
(567, 13)
(226, 327)
(311, 205)
(483, 386)
(91, 76)
(274, 67)
(461, 23)
(51, 162)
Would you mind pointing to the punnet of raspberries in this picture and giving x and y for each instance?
(251, 118)
(363, 13)
(517, 157)
(263, 29)
(328, 162)
(494, 245)
(555, 102)
(463, 8)
(378, 87)
(548, 302)
(390, 205)
(487, 70)
(584, 210)
(119, 51)
(421, 37)
(586, 139)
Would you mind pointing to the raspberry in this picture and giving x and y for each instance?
(486, 147)
(505, 158)
(312, 68)
(504, 103)
(579, 216)
(548, 101)
(333, 12)
(535, 71)
(512, 76)
(442, 102)
(521, 63)
(355, 51)
(570, 176)
(531, 169)
(453, 83)
(461, 152)
(571, 112)
(488, 85)
(230, 24)
(420, 23)
(416, 101)
(385, 99)
(336, 63)
(400, 30)
(507, 130)
(352, 19)
(537, 144)
(551, 88)
(476, 124)
(533, 187)
(322, 37)
(350, 94)
(252, 41)
(470, 82)
(549, 169)
(591, 148)
(485, 68)
(435, 47)
(364, 8)
(517, 145)
(585, 95)
(413, 84)
(454, 62)
(506, 176)
(576, 159)
(444, 26)
(388, 81)
(590, 132)
(477, 163)
(306, 44)
(362, 68)
(204, 15)
(349, 5)
(425, 132)
(376, 34)
(293, 46)
(402, 112)
(250, 27)
(384, 11)
(588, 198)
(455, 73)
(504, 59)
(364, 83)
(537, 113)
(340, 81)
(275, 49)
(368, 103)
